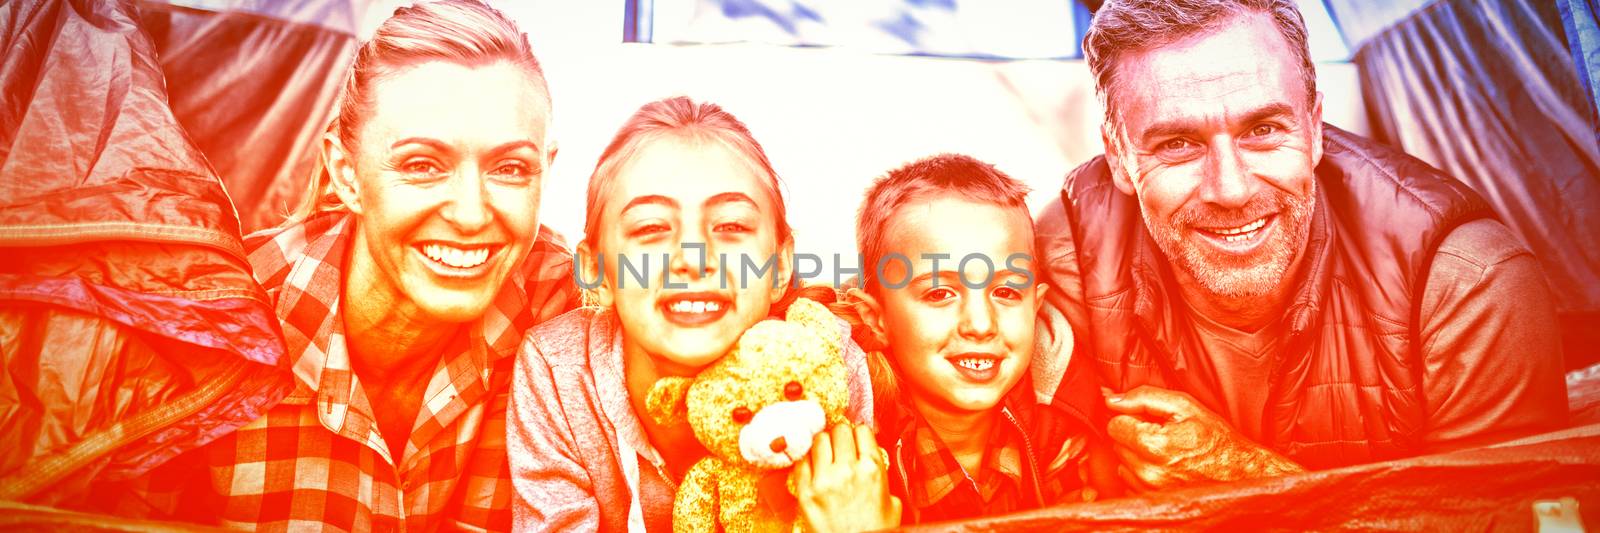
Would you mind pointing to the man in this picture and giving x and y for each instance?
(1265, 293)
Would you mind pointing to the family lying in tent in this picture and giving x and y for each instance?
(1235, 292)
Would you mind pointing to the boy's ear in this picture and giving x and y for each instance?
(668, 401)
(782, 274)
(592, 271)
(340, 166)
(871, 313)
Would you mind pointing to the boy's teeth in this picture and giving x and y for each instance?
(687, 306)
(456, 257)
(976, 364)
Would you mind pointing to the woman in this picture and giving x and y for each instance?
(402, 291)
(683, 185)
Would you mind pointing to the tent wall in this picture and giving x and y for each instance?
(1487, 91)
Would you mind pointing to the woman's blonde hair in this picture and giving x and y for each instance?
(464, 32)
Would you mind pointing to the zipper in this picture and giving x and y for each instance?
(905, 481)
(1027, 448)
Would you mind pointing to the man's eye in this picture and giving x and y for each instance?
(1262, 130)
(513, 170)
(420, 166)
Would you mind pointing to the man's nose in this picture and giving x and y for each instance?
(1227, 181)
(467, 206)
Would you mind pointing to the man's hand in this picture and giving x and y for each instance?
(843, 483)
(1166, 439)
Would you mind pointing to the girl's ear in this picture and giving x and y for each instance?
(871, 312)
(783, 273)
(591, 268)
(340, 166)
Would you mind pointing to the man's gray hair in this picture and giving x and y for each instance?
(1122, 26)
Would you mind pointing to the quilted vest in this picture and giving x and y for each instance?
(1345, 386)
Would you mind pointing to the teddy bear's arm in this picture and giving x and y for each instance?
(695, 509)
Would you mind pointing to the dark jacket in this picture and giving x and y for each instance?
(1347, 384)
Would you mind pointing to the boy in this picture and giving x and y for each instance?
(950, 291)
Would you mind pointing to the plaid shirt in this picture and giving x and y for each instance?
(935, 487)
(317, 460)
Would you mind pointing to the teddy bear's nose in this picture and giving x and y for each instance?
(778, 445)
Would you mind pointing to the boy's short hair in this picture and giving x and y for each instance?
(924, 178)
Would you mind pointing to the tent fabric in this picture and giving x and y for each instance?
(132, 329)
(1581, 20)
(1417, 494)
(254, 83)
(1487, 91)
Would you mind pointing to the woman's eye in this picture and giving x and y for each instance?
(939, 295)
(1007, 293)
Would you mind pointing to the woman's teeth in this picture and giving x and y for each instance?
(687, 306)
(456, 257)
(976, 364)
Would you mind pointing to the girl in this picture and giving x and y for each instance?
(687, 245)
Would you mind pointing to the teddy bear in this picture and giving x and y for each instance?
(756, 410)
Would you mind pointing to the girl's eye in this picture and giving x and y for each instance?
(1008, 293)
(939, 295)
(730, 227)
(742, 415)
(649, 229)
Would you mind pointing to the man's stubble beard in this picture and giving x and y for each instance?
(1237, 277)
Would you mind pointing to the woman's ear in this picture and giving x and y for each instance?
(340, 166)
(592, 274)
(871, 312)
(783, 274)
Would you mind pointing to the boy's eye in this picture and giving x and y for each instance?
(939, 294)
(1008, 293)
(742, 415)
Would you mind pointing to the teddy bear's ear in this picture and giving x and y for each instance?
(813, 316)
(668, 402)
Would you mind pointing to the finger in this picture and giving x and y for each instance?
(844, 444)
(866, 443)
(1133, 482)
(802, 476)
(821, 450)
(1153, 403)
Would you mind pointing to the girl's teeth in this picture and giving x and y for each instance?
(686, 306)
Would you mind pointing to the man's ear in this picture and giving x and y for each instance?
(592, 271)
(550, 155)
(340, 166)
(1110, 136)
(668, 400)
(1316, 130)
(871, 312)
(783, 273)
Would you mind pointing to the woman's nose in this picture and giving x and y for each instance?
(466, 206)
